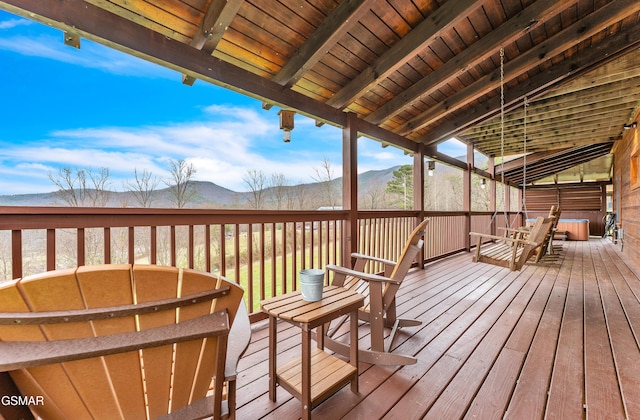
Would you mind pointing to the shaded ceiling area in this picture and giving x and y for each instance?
(414, 73)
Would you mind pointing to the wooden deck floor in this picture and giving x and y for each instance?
(556, 340)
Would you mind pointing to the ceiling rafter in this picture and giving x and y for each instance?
(338, 22)
(514, 28)
(405, 49)
(557, 44)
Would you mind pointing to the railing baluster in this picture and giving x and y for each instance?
(131, 241)
(172, 245)
(153, 245)
(250, 263)
(51, 249)
(16, 253)
(294, 255)
(80, 246)
(191, 248)
(283, 257)
(274, 250)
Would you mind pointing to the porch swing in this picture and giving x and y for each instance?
(511, 251)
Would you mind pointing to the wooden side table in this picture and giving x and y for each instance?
(316, 375)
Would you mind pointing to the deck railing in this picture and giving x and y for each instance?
(261, 250)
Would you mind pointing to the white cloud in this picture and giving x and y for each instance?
(93, 55)
(13, 23)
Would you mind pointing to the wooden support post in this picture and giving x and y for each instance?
(418, 193)
(466, 195)
(350, 188)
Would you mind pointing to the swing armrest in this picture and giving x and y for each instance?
(504, 238)
(518, 230)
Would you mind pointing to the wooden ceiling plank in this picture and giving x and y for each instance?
(623, 69)
(602, 96)
(552, 47)
(139, 19)
(441, 20)
(486, 46)
(587, 59)
(326, 35)
(584, 118)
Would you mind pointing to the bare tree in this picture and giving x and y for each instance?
(143, 187)
(298, 194)
(180, 185)
(82, 187)
(373, 197)
(279, 186)
(324, 176)
(256, 181)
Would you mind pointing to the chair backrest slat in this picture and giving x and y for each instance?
(105, 286)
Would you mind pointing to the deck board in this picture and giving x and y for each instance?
(558, 340)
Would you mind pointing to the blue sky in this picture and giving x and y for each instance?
(97, 107)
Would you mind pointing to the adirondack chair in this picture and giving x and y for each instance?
(380, 304)
(512, 251)
(121, 341)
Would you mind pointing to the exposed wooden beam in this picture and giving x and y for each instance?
(215, 22)
(326, 35)
(584, 29)
(609, 48)
(514, 28)
(405, 49)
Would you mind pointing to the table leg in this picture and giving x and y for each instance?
(320, 331)
(273, 332)
(306, 373)
(353, 348)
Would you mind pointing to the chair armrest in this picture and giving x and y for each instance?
(24, 354)
(239, 338)
(361, 275)
(369, 257)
